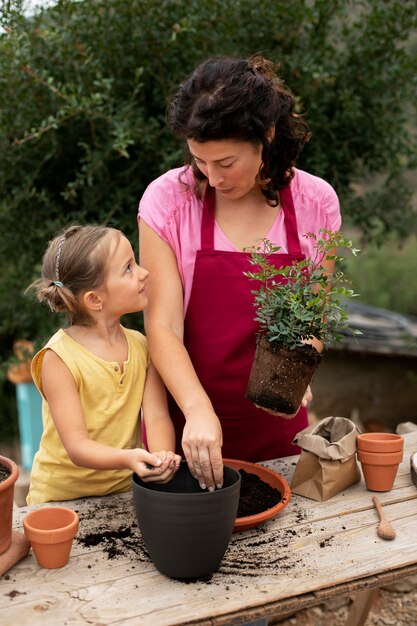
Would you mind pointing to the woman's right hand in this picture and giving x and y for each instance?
(202, 442)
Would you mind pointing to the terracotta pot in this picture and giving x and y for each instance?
(186, 530)
(51, 531)
(380, 442)
(279, 376)
(379, 468)
(6, 503)
(20, 372)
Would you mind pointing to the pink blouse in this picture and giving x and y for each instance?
(174, 212)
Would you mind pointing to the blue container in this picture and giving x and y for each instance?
(29, 412)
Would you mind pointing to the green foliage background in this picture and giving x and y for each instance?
(83, 92)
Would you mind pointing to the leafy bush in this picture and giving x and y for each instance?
(295, 303)
(83, 92)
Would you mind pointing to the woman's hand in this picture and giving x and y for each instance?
(202, 441)
(307, 398)
(164, 322)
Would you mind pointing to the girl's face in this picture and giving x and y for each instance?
(230, 166)
(124, 286)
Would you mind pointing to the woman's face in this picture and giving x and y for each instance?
(230, 166)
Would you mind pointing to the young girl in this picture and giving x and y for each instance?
(95, 375)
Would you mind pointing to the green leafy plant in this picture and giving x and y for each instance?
(301, 301)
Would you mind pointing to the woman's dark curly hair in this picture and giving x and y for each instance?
(241, 99)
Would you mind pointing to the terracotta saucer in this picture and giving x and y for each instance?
(268, 476)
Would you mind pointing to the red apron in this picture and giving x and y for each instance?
(220, 336)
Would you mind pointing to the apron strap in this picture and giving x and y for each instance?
(290, 220)
(207, 220)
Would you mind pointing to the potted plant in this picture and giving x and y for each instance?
(295, 305)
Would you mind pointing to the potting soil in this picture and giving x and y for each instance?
(256, 495)
(4, 473)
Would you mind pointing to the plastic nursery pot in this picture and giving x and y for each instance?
(380, 442)
(379, 469)
(51, 531)
(6, 502)
(186, 530)
(270, 477)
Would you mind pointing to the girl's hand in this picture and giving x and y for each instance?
(307, 398)
(158, 467)
(173, 462)
(174, 458)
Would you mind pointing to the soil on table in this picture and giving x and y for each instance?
(116, 542)
(256, 495)
(4, 473)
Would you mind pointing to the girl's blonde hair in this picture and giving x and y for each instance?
(75, 261)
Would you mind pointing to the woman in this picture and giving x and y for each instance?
(242, 138)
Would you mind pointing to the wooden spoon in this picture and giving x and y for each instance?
(384, 530)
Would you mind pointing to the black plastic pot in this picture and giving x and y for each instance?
(186, 530)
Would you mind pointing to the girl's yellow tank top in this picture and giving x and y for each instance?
(111, 402)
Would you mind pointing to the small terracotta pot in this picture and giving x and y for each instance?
(20, 372)
(379, 469)
(380, 442)
(51, 531)
(6, 503)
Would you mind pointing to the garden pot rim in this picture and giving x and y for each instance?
(203, 493)
(391, 442)
(380, 458)
(380, 436)
(50, 535)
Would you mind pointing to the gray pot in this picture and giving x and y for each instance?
(186, 530)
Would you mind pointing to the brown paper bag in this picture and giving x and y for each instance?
(327, 462)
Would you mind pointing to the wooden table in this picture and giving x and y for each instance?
(310, 552)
